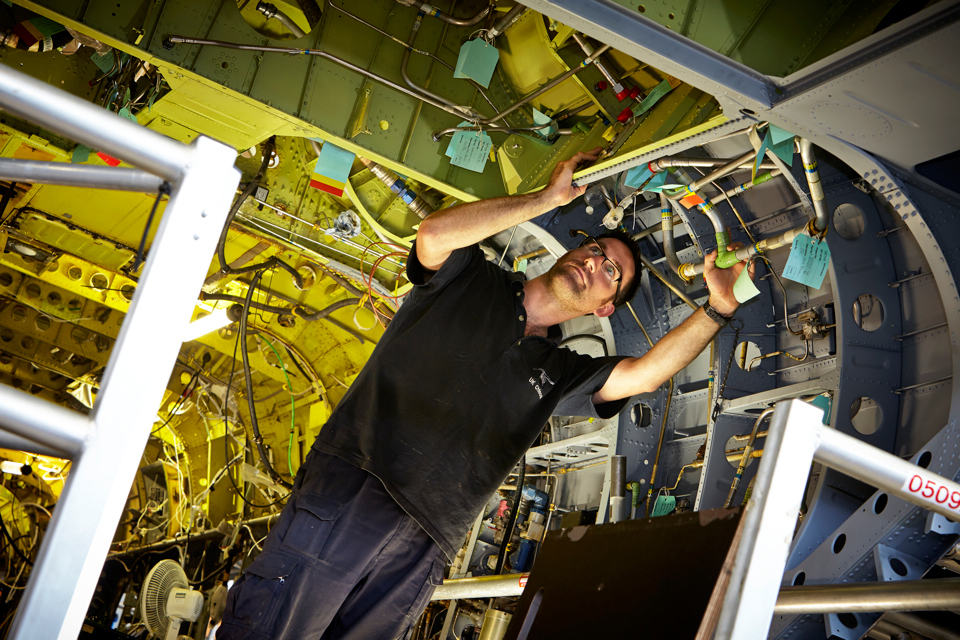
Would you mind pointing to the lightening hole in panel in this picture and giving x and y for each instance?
(99, 282)
(127, 291)
(799, 579)
(43, 323)
(19, 313)
(898, 567)
(32, 290)
(734, 451)
(5, 358)
(866, 416)
(924, 459)
(839, 542)
(642, 415)
(868, 312)
(54, 298)
(848, 620)
(74, 272)
(745, 352)
(5, 279)
(6, 335)
(849, 221)
(27, 342)
(880, 503)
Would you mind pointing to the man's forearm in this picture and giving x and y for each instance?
(668, 357)
(461, 226)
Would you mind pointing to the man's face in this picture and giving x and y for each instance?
(584, 281)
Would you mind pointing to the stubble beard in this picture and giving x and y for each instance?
(565, 286)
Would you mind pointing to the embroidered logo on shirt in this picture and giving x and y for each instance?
(539, 384)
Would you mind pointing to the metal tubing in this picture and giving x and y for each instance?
(587, 49)
(460, 22)
(723, 170)
(326, 56)
(679, 161)
(507, 20)
(511, 584)
(662, 278)
(547, 87)
(813, 183)
(77, 540)
(271, 11)
(666, 222)
(740, 188)
(17, 443)
(77, 119)
(43, 422)
(921, 626)
(79, 175)
(747, 450)
(886, 471)
(656, 458)
(406, 58)
(870, 597)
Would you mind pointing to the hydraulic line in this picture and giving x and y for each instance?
(248, 379)
(413, 201)
(273, 262)
(476, 85)
(459, 22)
(656, 459)
(327, 310)
(813, 182)
(749, 184)
(747, 450)
(414, 32)
(547, 87)
(506, 21)
(271, 11)
(662, 278)
(806, 353)
(512, 520)
(559, 132)
(666, 223)
(172, 40)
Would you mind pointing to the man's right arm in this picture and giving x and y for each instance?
(447, 230)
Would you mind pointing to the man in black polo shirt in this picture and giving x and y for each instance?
(458, 388)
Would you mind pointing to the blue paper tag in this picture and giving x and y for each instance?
(476, 61)
(637, 176)
(334, 163)
(778, 135)
(455, 138)
(808, 261)
(541, 118)
(760, 156)
(471, 151)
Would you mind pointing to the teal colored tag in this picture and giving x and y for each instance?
(663, 506)
(761, 154)
(743, 288)
(522, 266)
(808, 261)
(105, 62)
(652, 98)
(334, 163)
(81, 154)
(637, 176)
(784, 151)
(778, 135)
(455, 138)
(825, 403)
(476, 61)
(126, 114)
(659, 183)
(540, 118)
(472, 151)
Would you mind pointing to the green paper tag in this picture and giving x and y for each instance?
(808, 261)
(454, 139)
(105, 62)
(476, 61)
(127, 114)
(540, 118)
(663, 506)
(743, 288)
(471, 150)
(653, 98)
(81, 154)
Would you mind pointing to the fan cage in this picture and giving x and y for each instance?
(166, 575)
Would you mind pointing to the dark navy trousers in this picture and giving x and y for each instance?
(344, 561)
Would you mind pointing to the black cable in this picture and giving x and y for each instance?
(273, 262)
(224, 297)
(300, 311)
(6, 534)
(508, 533)
(248, 378)
(163, 191)
(296, 362)
(187, 392)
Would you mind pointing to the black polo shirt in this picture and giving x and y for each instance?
(453, 395)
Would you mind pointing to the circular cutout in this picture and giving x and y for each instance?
(19, 313)
(74, 272)
(32, 290)
(745, 353)
(127, 291)
(99, 282)
(839, 542)
(748, 112)
(6, 335)
(642, 415)
(898, 567)
(868, 312)
(734, 449)
(848, 620)
(79, 334)
(799, 579)
(5, 279)
(102, 343)
(54, 298)
(74, 305)
(27, 343)
(866, 416)
(5, 358)
(43, 323)
(849, 221)
(880, 503)
(924, 459)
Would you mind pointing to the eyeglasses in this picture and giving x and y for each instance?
(610, 268)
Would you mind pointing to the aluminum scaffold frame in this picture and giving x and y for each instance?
(106, 446)
(795, 439)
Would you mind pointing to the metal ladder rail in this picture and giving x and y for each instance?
(795, 439)
(106, 447)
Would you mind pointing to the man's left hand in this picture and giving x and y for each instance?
(720, 281)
